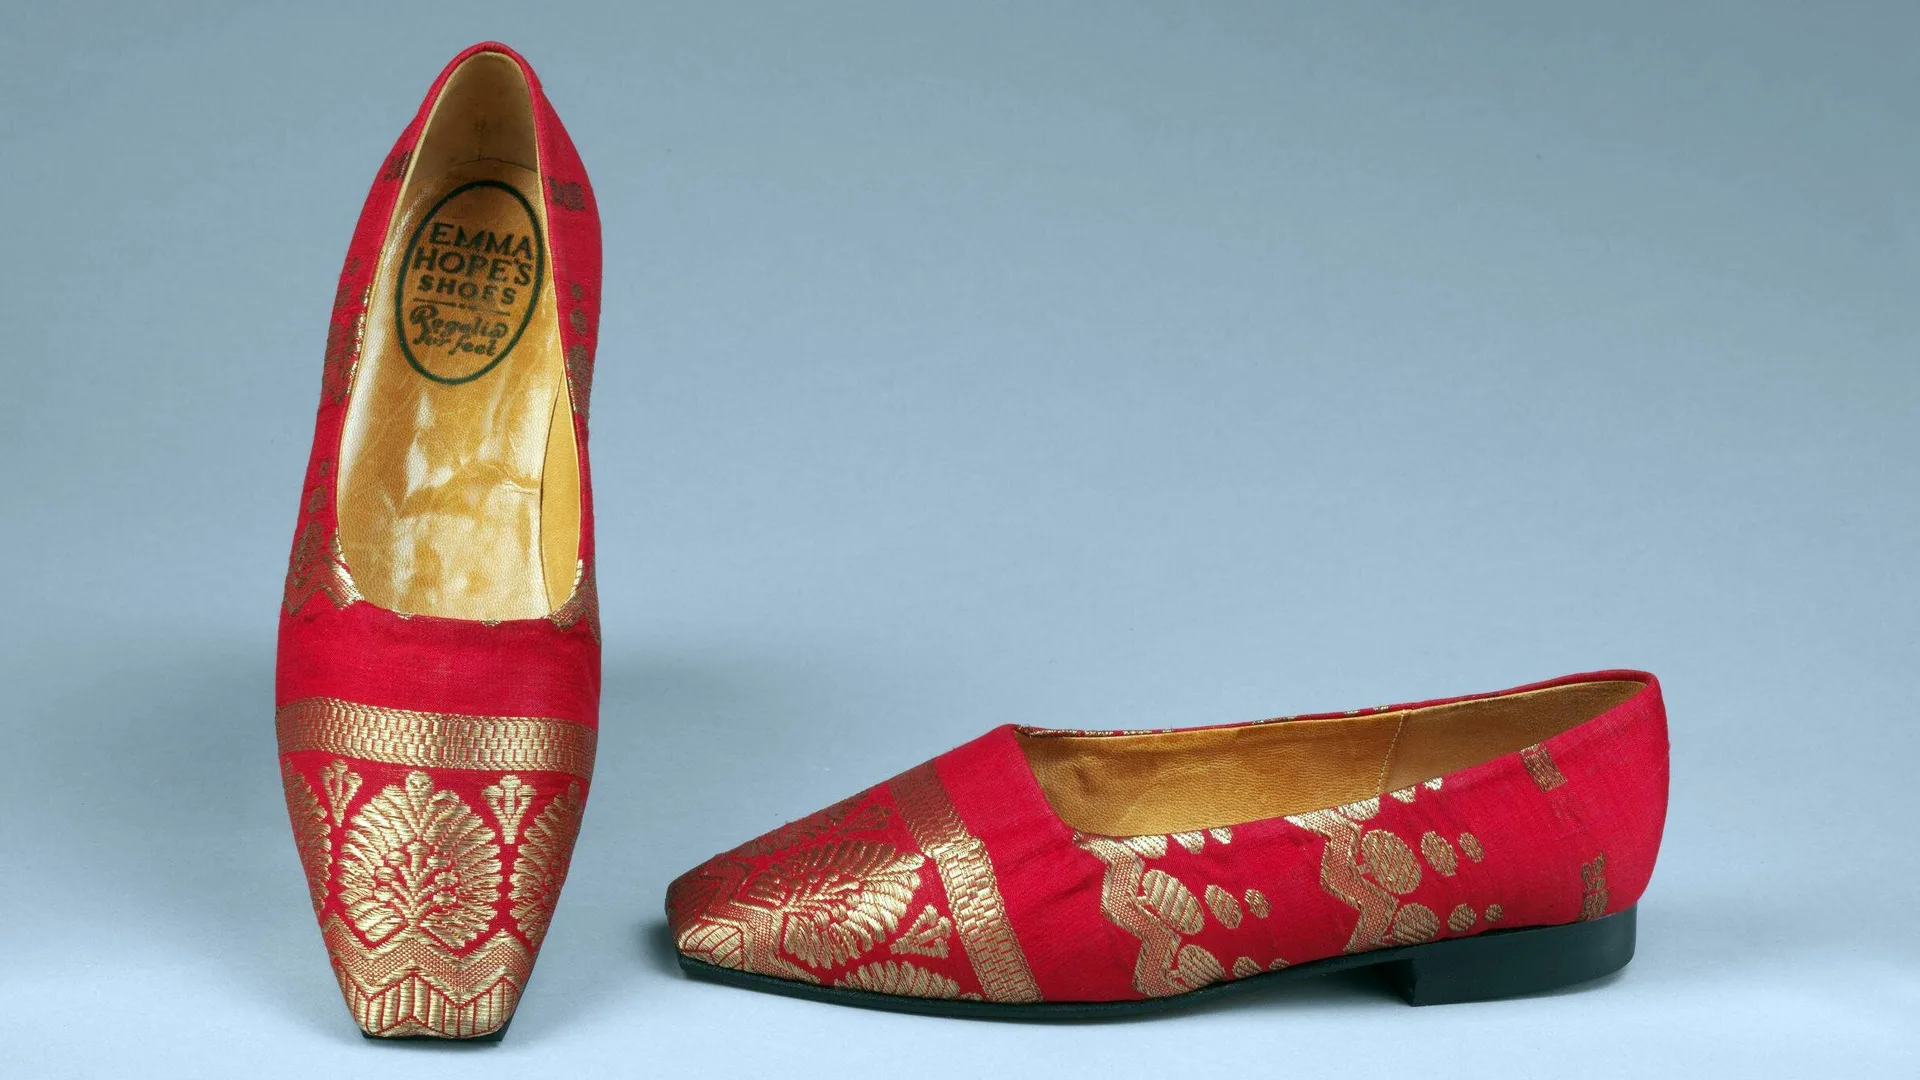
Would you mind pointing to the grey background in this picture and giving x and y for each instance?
(1076, 364)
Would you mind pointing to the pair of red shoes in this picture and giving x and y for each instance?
(438, 696)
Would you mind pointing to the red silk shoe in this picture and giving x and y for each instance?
(439, 669)
(1474, 848)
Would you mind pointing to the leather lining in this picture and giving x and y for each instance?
(1177, 781)
(459, 489)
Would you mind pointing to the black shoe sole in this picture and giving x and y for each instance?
(1484, 967)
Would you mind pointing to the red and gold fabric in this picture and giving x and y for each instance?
(436, 769)
(958, 879)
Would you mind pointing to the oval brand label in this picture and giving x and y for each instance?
(471, 276)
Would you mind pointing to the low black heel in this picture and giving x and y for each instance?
(1509, 963)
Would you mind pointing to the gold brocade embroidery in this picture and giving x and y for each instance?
(1224, 907)
(435, 740)
(1461, 919)
(927, 936)
(840, 899)
(1546, 775)
(317, 567)
(1593, 899)
(900, 979)
(973, 893)
(1155, 908)
(509, 799)
(1257, 903)
(341, 783)
(582, 603)
(309, 835)
(1372, 869)
(541, 862)
(411, 986)
(419, 860)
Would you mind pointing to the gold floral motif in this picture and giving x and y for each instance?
(1192, 841)
(508, 798)
(1162, 968)
(1471, 845)
(1494, 913)
(541, 862)
(900, 980)
(1593, 899)
(419, 860)
(1546, 775)
(1147, 847)
(435, 740)
(1224, 907)
(1343, 875)
(1223, 834)
(317, 567)
(1439, 854)
(1245, 966)
(582, 603)
(973, 892)
(341, 783)
(1461, 919)
(310, 837)
(411, 986)
(1197, 967)
(839, 899)
(1390, 862)
(1415, 923)
(926, 937)
(1173, 902)
(1257, 903)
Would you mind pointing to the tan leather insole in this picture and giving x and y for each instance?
(1133, 785)
(459, 484)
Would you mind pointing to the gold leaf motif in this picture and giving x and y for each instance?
(1223, 834)
(1546, 775)
(1405, 794)
(419, 860)
(838, 899)
(1593, 900)
(540, 867)
(1197, 967)
(1390, 862)
(1224, 906)
(901, 980)
(1461, 919)
(1257, 903)
(1148, 847)
(1433, 784)
(316, 566)
(509, 799)
(926, 937)
(340, 783)
(1494, 913)
(1471, 845)
(310, 837)
(1439, 854)
(1244, 967)
(1166, 897)
(582, 603)
(1192, 841)
(1415, 923)
(717, 943)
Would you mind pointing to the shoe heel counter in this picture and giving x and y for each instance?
(1622, 766)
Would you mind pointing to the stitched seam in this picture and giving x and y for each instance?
(1386, 764)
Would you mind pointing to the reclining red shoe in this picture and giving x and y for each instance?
(1473, 848)
(439, 669)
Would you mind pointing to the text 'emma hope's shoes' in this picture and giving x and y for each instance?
(1471, 848)
(438, 678)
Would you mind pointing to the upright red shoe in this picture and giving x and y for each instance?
(438, 683)
(1474, 848)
